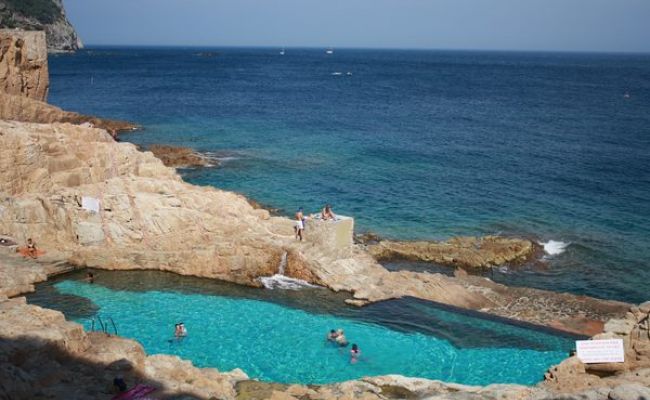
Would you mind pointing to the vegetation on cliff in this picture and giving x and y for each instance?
(44, 11)
(41, 15)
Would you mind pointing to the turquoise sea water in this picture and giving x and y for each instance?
(413, 144)
(279, 335)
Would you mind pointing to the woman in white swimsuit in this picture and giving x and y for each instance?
(299, 224)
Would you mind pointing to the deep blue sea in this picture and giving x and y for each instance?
(413, 144)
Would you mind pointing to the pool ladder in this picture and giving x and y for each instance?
(103, 325)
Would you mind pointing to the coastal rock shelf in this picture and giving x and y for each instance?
(466, 252)
(143, 216)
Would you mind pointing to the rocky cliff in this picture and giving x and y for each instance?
(41, 15)
(23, 64)
(24, 83)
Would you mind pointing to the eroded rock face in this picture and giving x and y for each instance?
(466, 252)
(23, 64)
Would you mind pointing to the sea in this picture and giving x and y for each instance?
(413, 144)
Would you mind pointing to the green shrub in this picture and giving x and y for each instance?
(45, 11)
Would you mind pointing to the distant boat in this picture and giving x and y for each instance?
(282, 52)
(329, 51)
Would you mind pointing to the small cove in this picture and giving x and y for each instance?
(278, 335)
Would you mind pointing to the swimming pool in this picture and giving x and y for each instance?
(279, 336)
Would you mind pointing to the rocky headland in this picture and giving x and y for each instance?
(88, 200)
(24, 85)
(47, 16)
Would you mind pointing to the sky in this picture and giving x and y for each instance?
(533, 25)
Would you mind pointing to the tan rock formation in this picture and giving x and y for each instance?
(148, 218)
(16, 108)
(23, 64)
(572, 376)
(24, 83)
(179, 157)
(466, 252)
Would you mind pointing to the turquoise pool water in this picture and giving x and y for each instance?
(275, 336)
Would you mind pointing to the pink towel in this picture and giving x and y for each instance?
(136, 392)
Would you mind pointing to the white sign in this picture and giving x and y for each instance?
(600, 351)
(90, 204)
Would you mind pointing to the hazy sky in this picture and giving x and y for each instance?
(585, 25)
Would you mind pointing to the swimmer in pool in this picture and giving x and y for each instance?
(182, 330)
(332, 336)
(354, 354)
(341, 340)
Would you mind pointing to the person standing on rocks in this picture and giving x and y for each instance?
(299, 226)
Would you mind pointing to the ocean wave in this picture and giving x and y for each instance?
(554, 247)
(278, 281)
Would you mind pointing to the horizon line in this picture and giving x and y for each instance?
(312, 47)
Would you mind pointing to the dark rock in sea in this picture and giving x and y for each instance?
(181, 157)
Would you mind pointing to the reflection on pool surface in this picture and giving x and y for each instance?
(279, 335)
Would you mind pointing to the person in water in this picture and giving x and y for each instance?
(31, 248)
(327, 213)
(177, 331)
(354, 354)
(182, 330)
(332, 336)
(299, 226)
(90, 278)
(341, 340)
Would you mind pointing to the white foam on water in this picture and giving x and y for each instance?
(279, 281)
(554, 247)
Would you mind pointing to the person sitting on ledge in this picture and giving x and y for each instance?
(31, 248)
(327, 213)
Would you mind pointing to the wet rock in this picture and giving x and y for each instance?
(180, 157)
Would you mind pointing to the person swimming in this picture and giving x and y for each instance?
(180, 331)
(90, 278)
(332, 336)
(341, 340)
(354, 354)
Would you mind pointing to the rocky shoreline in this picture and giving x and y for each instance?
(90, 201)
